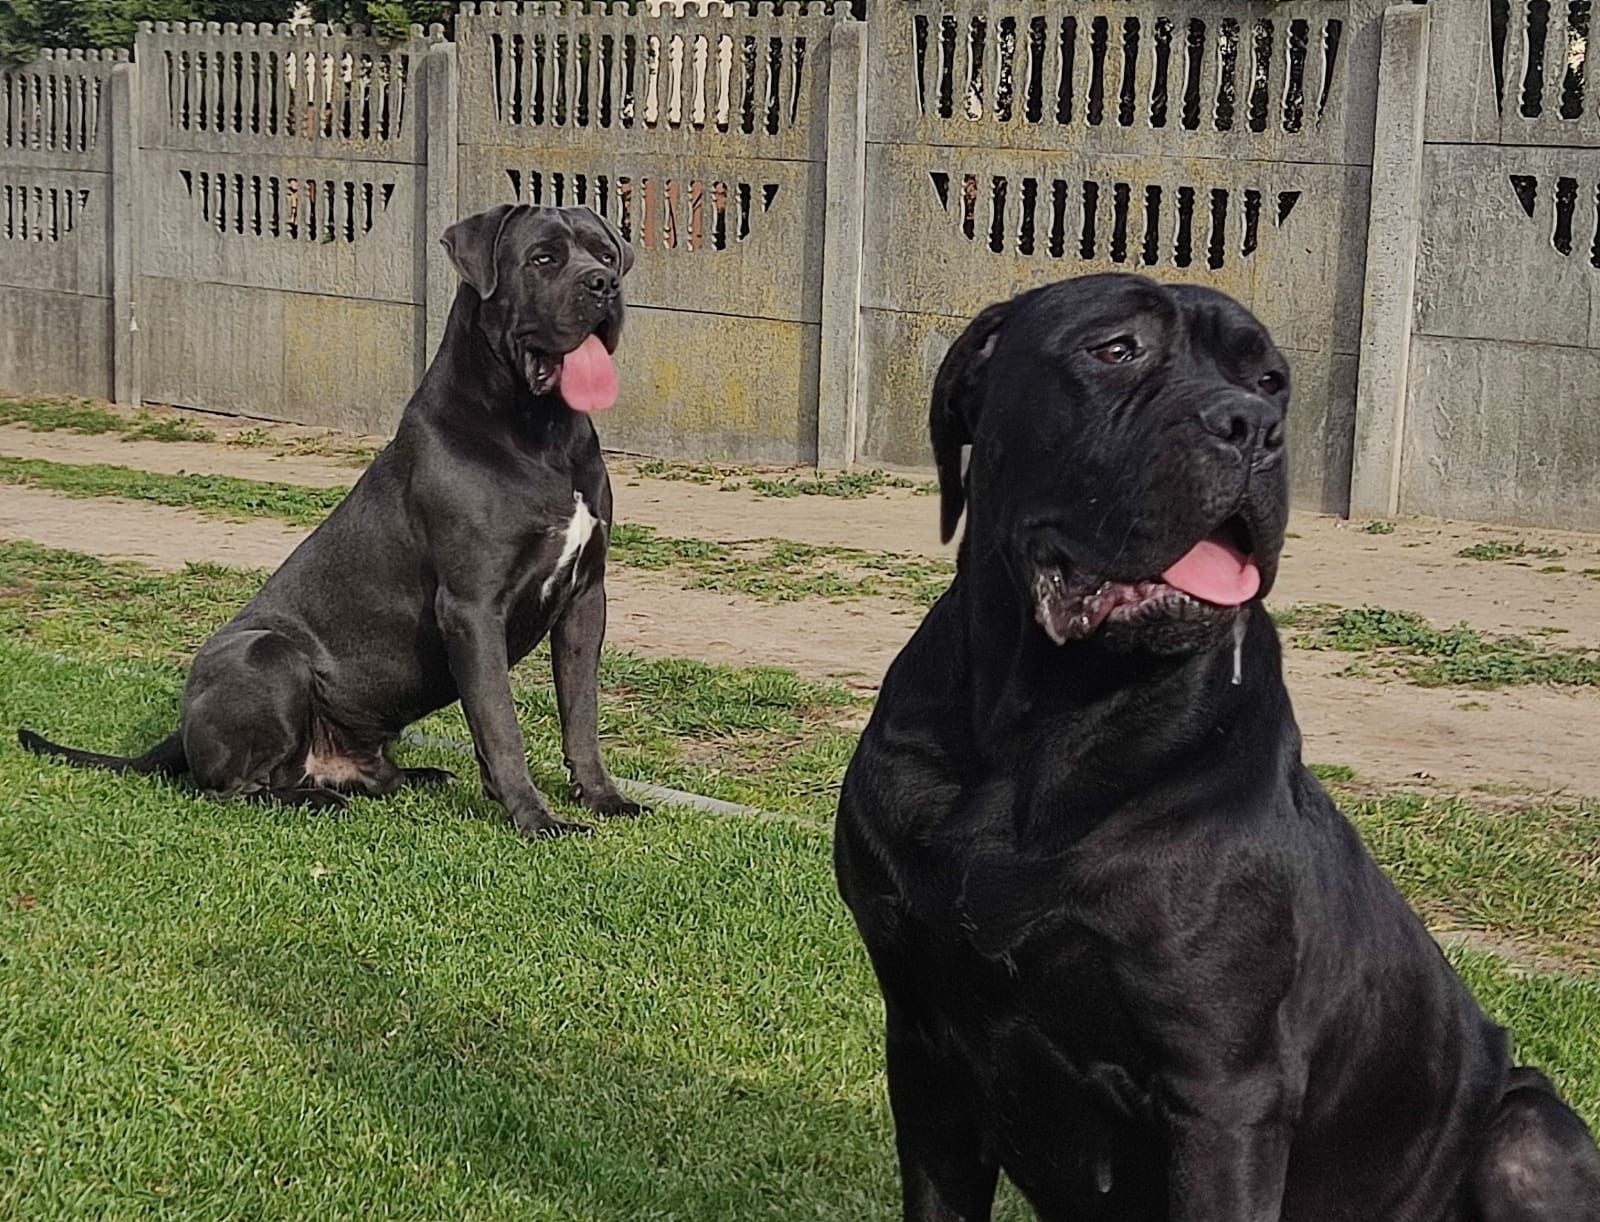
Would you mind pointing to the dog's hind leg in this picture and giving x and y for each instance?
(248, 713)
(1539, 1162)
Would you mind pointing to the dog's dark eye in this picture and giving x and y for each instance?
(1118, 352)
(1271, 382)
(607, 258)
(542, 259)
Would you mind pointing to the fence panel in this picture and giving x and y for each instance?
(704, 137)
(1503, 399)
(1016, 142)
(55, 223)
(281, 208)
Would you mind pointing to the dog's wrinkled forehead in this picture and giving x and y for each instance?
(483, 245)
(1183, 321)
(531, 226)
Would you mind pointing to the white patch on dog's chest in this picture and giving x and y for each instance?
(580, 526)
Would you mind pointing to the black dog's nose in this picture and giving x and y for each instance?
(1244, 422)
(601, 283)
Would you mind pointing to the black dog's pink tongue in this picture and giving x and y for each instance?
(588, 378)
(1215, 571)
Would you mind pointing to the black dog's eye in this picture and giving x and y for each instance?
(607, 258)
(541, 259)
(1271, 382)
(1118, 352)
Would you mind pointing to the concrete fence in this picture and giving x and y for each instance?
(245, 219)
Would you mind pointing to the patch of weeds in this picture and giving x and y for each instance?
(63, 415)
(1508, 549)
(1459, 656)
(850, 485)
(781, 570)
(1332, 772)
(847, 485)
(327, 445)
(88, 418)
(252, 439)
(1473, 706)
(1554, 568)
(219, 496)
(705, 474)
(1378, 527)
(146, 427)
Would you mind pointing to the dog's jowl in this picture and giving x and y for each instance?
(1130, 952)
(478, 530)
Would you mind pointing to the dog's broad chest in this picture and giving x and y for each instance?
(553, 562)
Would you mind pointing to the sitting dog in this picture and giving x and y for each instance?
(480, 528)
(1130, 952)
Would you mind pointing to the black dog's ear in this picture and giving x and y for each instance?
(624, 251)
(957, 398)
(471, 245)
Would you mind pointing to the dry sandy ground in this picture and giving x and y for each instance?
(1390, 731)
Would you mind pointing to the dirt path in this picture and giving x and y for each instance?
(1389, 731)
(1414, 568)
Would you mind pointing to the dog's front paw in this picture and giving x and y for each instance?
(611, 804)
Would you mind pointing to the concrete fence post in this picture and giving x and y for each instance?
(842, 227)
(127, 345)
(1388, 305)
(440, 191)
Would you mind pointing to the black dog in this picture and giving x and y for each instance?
(1130, 952)
(478, 529)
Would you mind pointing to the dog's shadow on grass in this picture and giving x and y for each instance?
(568, 1112)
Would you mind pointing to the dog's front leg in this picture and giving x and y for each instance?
(475, 642)
(575, 642)
(1229, 1162)
(944, 1176)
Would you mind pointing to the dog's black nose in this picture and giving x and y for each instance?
(601, 283)
(1245, 422)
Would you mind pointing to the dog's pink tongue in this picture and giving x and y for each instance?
(588, 378)
(1215, 572)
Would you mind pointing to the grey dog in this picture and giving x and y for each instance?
(479, 529)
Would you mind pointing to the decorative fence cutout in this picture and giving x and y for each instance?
(1548, 57)
(1094, 70)
(251, 83)
(309, 209)
(608, 79)
(1091, 220)
(1574, 211)
(655, 213)
(53, 104)
(40, 214)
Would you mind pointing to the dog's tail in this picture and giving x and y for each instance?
(166, 758)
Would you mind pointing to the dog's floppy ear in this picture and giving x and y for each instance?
(957, 398)
(624, 251)
(471, 245)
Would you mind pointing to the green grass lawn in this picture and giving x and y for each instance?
(216, 1009)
